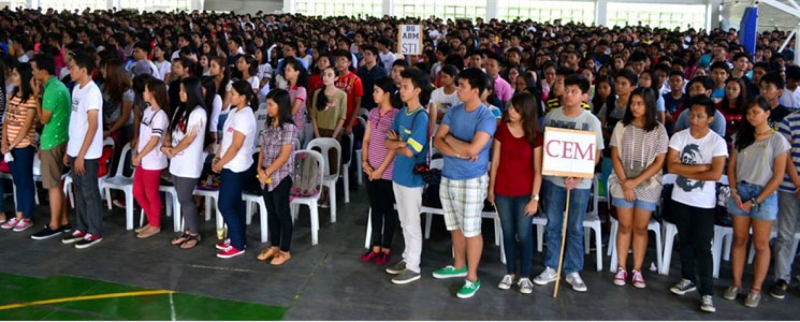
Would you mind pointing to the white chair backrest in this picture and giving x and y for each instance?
(297, 144)
(126, 154)
(669, 178)
(320, 164)
(437, 164)
(363, 111)
(724, 180)
(325, 144)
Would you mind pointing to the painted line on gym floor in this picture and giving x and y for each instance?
(85, 298)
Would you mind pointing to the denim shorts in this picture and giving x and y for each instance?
(639, 204)
(767, 209)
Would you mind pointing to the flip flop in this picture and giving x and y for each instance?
(177, 241)
(195, 238)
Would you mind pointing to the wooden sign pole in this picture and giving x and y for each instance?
(561, 253)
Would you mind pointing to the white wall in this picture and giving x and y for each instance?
(243, 6)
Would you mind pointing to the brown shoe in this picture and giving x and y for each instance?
(148, 232)
(140, 229)
(268, 253)
(281, 258)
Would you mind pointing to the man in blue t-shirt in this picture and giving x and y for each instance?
(463, 138)
(408, 138)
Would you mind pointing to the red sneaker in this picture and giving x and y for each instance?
(75, 237)
(370, 256)
(229, 252)
(383, 258)
(224, 244)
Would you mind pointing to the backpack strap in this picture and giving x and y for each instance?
(426, 158)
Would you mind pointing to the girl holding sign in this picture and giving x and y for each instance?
(638, 149)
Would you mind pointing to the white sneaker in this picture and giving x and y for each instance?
(707, 304)
(549, 275)
(525, 285)
(506, 282)
(575, 280)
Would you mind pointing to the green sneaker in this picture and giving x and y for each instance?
(469, 289)
(450, 272)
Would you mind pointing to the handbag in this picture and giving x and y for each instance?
(632, 171)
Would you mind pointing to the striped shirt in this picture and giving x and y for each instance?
(16, 115)
(379, 127)
(637, 151)
(790, 128)
(299, 93)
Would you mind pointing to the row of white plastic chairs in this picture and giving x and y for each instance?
(125, 184)
(721, 245)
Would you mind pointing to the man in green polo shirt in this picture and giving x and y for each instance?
(54, 109)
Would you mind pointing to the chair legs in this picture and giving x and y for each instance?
(670, 231)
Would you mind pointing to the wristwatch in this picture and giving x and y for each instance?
(754, 201)
(535, 197)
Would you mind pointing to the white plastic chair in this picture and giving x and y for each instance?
(251, 199)
(173, 207)
(329, 179)
(591, 221)
(311, 201)
(68, 182)
(125, 184)
(359, 169)
(668, 231)
(257, 199)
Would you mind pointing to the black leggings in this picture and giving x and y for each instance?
(381, 200)
(279, 214)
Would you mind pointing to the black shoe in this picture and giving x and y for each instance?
(778, 290)
(66, 228)
(47, 233)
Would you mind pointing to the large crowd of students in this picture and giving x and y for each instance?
(196, 93)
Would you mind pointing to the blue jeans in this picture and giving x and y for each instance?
(231, 185)
(515, 223)
(22, 174)
(555, 199)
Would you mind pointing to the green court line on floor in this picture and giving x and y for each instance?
(101, 302)
(84, 298)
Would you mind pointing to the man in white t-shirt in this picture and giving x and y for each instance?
(697, 156)
(387, 57)
(84, 149)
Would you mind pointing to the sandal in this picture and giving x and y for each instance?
(192, 238)
(180, 239)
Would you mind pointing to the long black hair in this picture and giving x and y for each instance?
(597, 101)
(302, 77)
(25, 74)
(650, 114)
(746, 135)
(284, 101)
(244, 88)
(194, 98)
(322, 99)
(210, 86)
(386, 84)
(527, 105)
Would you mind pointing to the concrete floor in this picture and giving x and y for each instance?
(327, 281)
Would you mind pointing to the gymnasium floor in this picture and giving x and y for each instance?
(124, 278)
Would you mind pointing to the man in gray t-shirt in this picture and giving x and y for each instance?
(556, 189)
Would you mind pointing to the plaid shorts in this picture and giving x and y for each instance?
(462, 203)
